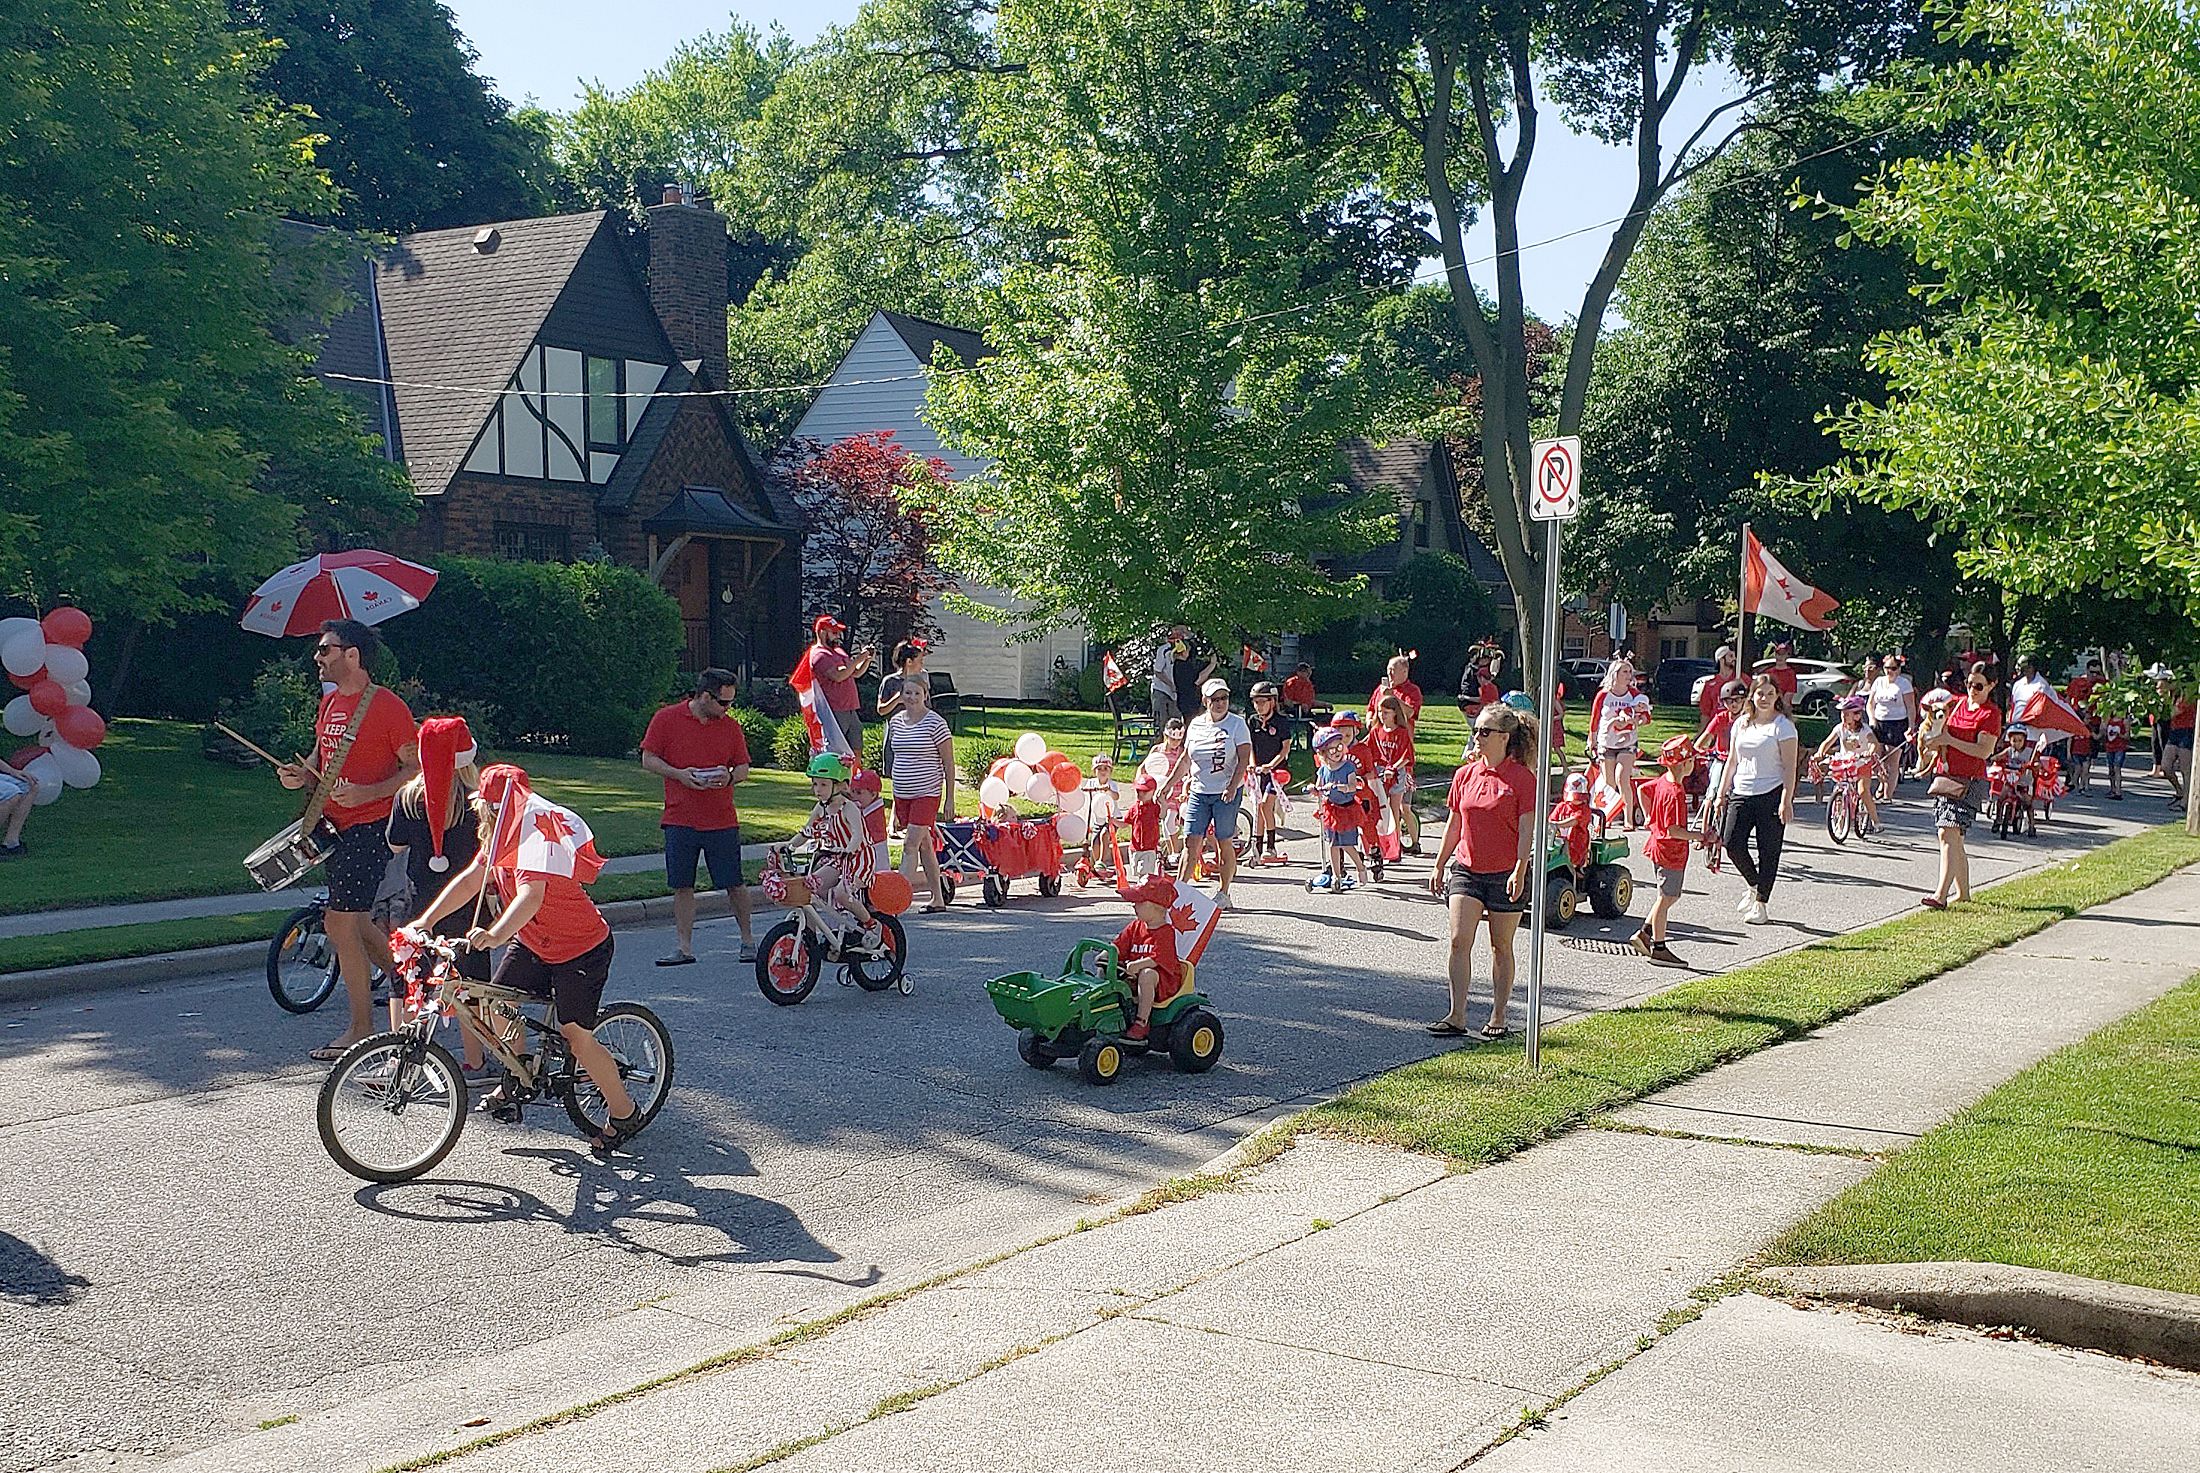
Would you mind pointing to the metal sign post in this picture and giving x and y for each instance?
(1554, 496)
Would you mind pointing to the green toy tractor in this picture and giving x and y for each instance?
(1605, 883)
(1082, 1015)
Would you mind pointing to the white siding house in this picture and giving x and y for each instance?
(980, 656)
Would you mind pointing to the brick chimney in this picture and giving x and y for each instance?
(687, 278)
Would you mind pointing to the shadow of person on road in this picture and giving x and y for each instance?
(29, 1278)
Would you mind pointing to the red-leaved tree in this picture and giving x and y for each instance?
(866, 552)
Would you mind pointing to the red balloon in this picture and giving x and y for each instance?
(25, 756)
(81, 727)
(25, 682)
(48, 699)
(1067, 778)
(67, 626)
(891, 892)
(1051, 761)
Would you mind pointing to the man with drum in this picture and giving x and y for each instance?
(384, 754)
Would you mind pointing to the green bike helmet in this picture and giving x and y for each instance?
(829, 764)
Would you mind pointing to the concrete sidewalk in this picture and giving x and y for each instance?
(1350, 1307)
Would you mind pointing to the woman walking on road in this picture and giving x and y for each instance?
(1962, 743)
(1758, 792)
(1484, 864)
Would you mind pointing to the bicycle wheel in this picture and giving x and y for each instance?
(392, 1107)
(638, 1040)
(1841, 816)
(301, 964)
(876, 974)
(788, 963)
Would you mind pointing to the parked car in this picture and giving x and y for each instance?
(1679, 678)
(1582, 677)
(1818, 684)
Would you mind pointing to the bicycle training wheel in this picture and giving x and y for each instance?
(638, 1041)
(301, 962)
(788, 963)
(1841, 817)
(392, 1107)
(877, 973)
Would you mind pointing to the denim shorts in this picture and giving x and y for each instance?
(1213, 810)
(12, 788)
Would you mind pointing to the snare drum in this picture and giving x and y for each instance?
(288, 857)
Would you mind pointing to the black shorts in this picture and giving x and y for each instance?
(720, 847)
(1461, 883)
(576, 987)
(355, 867)
(1891, 733)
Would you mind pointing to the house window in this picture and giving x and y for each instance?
(1576, 647)
(606, 410)
(567, 416)
(1420, 524)
(1673, 649)
(534, 542)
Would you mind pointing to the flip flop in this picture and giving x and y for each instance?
(1494, 1034)
(1446, 1030)
(328, 1053)
(676, 959)
(1933, 902)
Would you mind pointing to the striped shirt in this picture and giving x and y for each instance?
(919, 769)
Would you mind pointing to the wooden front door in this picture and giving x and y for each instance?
(691, 586)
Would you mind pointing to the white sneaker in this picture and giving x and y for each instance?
(1758, 915)
(1747, 903)
(1222, 900)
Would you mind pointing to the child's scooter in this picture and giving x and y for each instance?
(1083, 1013)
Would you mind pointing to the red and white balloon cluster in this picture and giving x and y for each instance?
(44, 659)
(1039, 777)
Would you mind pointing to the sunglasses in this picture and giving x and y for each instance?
(1491, 731)
(330, 649)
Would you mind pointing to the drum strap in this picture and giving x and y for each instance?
(334, 767)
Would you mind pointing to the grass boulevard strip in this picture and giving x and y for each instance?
(1477, 1104)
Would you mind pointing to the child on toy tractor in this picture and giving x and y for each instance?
(1145, 950)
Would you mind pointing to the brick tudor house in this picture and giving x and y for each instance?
(605, 443)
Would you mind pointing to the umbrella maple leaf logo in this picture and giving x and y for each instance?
(370, 595)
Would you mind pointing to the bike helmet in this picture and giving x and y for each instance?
(1344, 719)
(1263, 688)
(1852, 703)
(1521, 701)
(2020, 730)
(1327, 737)
(830, 765)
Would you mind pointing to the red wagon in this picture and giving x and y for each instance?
(999, 849)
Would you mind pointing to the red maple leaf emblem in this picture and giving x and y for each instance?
(275, 607)
(1180, 916)
(370, 595)
(552, 826)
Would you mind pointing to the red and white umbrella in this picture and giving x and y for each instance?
(365, 585)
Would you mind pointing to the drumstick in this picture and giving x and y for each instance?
(259, 752)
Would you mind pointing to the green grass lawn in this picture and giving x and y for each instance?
(2087, 1163)
(1480, 1104)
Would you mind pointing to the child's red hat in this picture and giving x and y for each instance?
(1153, 890)
(446, 745)
(1145, 783)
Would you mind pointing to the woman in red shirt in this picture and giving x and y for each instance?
(1963, 742)
(1485, 860)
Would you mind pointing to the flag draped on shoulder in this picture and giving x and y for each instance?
(535, 836)
(817, 717)
(1770, 591)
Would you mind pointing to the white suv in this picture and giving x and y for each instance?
(1818, 684)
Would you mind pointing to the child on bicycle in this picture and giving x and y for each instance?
(844, 853)
(2020, 761)
(1103, 807)
(1145, 950)
(1853, 742)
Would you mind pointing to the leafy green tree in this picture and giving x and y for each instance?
(2052, 423)
(1174, 377)
(158, 443)
(1464, 86)
(412, 135)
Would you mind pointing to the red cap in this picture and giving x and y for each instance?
(824, 622)
(865, 782)
(920, 644)
(1145, 783)
(445, 746)
(1153, 890)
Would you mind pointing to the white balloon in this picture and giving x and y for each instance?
(20, 719)
(66, 665)
(1041, 788)
(25, 654)
(80, 694)
(12, 630)
(46, 783)
(993, 792)
(1017, 775)
(1072, 827)
(1030, 747)
(78, 769)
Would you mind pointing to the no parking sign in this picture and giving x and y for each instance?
(1555, 481)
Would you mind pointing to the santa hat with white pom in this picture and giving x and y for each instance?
(446, 745)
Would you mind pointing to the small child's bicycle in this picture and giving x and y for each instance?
(793, 953)
(1845, 811)
(2010, 793)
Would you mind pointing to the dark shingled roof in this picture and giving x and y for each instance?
(453, 315)
(921, 335)
(1398, 468)
(708, 509)
(349, 344)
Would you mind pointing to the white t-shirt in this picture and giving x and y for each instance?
(2023, 690)
(1848, 743)
(1213, 745)
(1103, 801)
(1619, 718)
(1889, 698)
(1757, 765)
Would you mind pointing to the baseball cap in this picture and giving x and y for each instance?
(1214, 687)
(1145, 783)
(824, 622)
(1153, 890)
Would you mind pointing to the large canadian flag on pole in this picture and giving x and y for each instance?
(2043, 710)
(817, 717)
(1770, 591)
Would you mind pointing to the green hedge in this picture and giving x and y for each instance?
(571, 655)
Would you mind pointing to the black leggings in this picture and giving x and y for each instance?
(1758, 813)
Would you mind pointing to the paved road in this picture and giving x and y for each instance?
(181, 1261)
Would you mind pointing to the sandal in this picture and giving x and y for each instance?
(1445, 1028)
(1494, 1031)
(1933, 902)
(622, 1129)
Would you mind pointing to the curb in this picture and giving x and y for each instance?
(2088, 1314)
(208, 962)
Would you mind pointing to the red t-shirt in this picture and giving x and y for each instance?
(1392, 748)
(2180, 716)
(1405, 691)
(1717, 729)
(1299, 691)
(1783, 676)
(1707, 704)
(1145, 824)
(677, 736)
(1490, 802)
(830, 667)
(1969, 723)
(1665, 803)
(2115, 735)
(568, 924)
(2080, 691)
(1137, 941)
(373, 758)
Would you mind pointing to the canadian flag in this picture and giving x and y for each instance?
(535, 836)
(817, 717)
(1192, 917)
(1770, 591)
(1112, 673)
(2046, 711)
(1252, 659)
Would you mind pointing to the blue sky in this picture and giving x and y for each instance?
(545, 49)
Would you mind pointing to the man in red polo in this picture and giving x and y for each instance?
(701, 752)
(836, 675)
